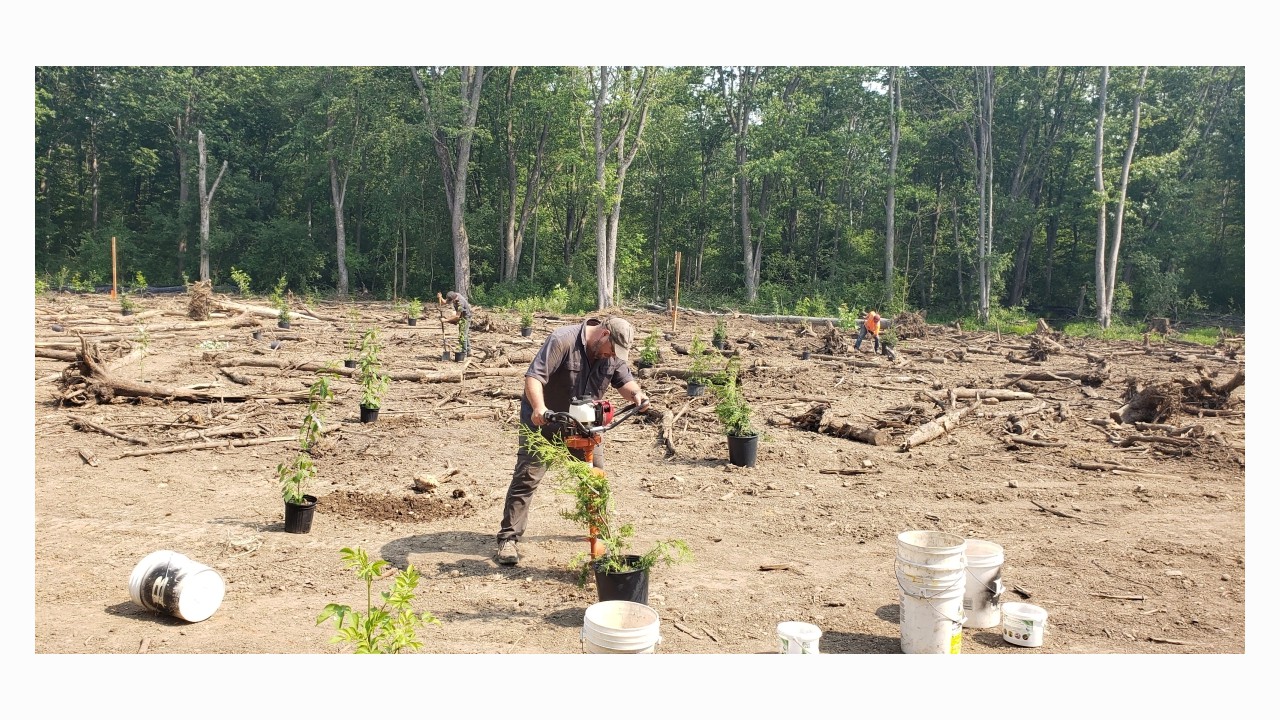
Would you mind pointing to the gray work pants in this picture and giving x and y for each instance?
(524, 480)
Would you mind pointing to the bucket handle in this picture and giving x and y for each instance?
(997, 590)
(931, 605)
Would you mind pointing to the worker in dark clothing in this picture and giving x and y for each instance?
(574, 361)
(463, 318)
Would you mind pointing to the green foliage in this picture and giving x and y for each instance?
(849, 319)
(700, 367)
(278, 300)
(649, 350)
(373, 384)
(42, 286)
(720, 334)
(388, 628)
(139, 282)
(732, 409)
(127, 303)
(593, 510)
(526, 307)
(294, 476)
(414, 308)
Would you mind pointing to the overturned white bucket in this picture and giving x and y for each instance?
(930, 570)
(798, 638)
(1024, 623)
(620, 627)
(982, 587)
(172, 583)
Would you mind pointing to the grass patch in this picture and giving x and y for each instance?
(1201, 335)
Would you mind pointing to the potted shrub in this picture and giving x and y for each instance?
(415, 311)
(734, 414)
(526, 307)
(700, 368)
(127, 305)
(300, 507)
(351, 340)
(385, 629)
(649, 351)
(620, 574)
(373, 384)
(720, 335)
(280, 304)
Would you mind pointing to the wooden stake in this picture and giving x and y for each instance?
(675, 309)
(113, 267)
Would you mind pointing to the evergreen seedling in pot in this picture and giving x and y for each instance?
(414, 310)
(373, 384)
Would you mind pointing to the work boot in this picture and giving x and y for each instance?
(507, 554)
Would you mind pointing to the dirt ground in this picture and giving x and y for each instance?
(1145, 556)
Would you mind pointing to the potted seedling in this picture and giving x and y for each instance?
(299, 507)
(619, 573)
(351, 339)
(388, 628)
(734, 414)
(648, 351)
(414, 310)
(461, 354)
(280, 303)
(373, 384)
(720, 335)
(526, 308)
(127, 305)
(700, 368)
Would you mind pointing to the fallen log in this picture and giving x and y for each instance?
(937, 427)
(983, 394)
(206, 446)
(82, 424)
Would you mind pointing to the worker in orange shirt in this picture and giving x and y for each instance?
(870, 324)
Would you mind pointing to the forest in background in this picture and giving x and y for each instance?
(956, 190)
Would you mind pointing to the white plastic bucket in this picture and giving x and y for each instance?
(172, 583)
(982, 585)
(620, 627)
(798, 638)
(1024, 624)
(930, 570)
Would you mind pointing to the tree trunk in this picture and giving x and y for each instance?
(1124, 188)
(609, 204)
(338, 191)
(1100, 197)
(206, 200)
(895, 101)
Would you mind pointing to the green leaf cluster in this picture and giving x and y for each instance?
(720, 334)
(526, 307)
(388, 628)
(373, 384)
(242, 280)
(732, 409)
(294, 476)
(414, 308)
(278, 300)
(702, 361)
(649, 350)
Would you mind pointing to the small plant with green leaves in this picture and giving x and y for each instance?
(351, 342)
(388, 628)
(278, 300)
(720, 335)
(732, 409)
(42, 286)
(243, 283)
(700, 368)
(849, 319)
(62, 278)
(294, 476)
(414, 308)
(139, 282)
(593, 510)
(127, 304)
(649, 350)
(373, 384)
(526, 308)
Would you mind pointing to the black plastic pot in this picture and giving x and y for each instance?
(284, 324)
(368, 415)
(694, 389)
(632, 585)
(257, 334)
(349, 363)
(413, 321)
(804, 355)
(526, 331)
(297, 517)
(126, 311)
(641, 364)
(459, 356)
(742, 449)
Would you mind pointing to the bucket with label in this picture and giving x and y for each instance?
(1024, 623)
(620, 627)
(172, 583)
(930, 570)
(798, 638)
(982, 585)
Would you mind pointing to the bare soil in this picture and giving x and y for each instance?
(1144, 557)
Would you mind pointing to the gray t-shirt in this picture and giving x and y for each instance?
(566, 372)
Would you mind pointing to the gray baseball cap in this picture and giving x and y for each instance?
(621, 334)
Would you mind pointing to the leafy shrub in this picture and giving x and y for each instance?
(388, 628)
